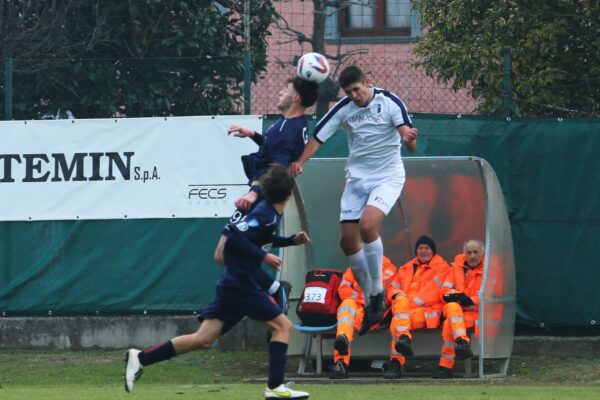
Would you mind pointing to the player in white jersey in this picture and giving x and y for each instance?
(377, 124)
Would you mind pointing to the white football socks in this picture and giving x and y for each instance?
(374, 256)
(358, 263)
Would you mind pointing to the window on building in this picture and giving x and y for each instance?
(373, 18)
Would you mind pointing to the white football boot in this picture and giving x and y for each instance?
(133, 368)
(283, 391)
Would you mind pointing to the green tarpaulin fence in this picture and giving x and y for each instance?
(549, 171)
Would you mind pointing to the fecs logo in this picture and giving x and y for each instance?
(215, 193)
(207, 192)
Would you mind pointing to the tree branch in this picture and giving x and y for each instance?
(299, 36)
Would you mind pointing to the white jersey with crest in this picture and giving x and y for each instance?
(373, 139)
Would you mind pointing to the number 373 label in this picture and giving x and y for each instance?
(315, 295)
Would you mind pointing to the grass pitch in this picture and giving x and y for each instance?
(31, 374)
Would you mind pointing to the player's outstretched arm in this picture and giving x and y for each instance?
(311, 148)
(294, 240)
(241, 132)
(301, 238)
(409, 137)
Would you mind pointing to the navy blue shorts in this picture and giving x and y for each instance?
(232, 304)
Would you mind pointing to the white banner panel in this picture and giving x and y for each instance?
(180, 167)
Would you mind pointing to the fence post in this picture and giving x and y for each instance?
(247, 81)
(8, 88)
(506, 68)
(247, 58)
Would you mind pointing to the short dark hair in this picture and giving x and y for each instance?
(307, 90)
(277, 184)
(350, 75)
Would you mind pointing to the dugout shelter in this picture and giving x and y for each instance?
(450, 199)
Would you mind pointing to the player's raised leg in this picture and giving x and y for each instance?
(352, 204)
(373, 249)
(351, 245)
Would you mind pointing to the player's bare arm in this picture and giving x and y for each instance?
(219, 257)
(240, 131)
(245, 202)
(311, 148)
(273, 261)
(409, 137)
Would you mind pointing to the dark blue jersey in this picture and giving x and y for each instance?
(263, 279)
(282, 144)
(243, 252)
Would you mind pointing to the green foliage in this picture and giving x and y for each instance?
(133, 58)
(555, 48)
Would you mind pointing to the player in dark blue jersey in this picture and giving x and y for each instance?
(282, 144)
(238, 294)
(285, 139)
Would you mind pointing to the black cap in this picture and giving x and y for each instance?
(425, 240)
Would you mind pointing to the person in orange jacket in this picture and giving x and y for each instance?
(350, 316)
(460, 292)
(414, 293)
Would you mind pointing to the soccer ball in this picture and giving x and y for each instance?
(313, 67)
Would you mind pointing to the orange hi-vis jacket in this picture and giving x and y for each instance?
(462, 279)
(349, 288)
(421, 286)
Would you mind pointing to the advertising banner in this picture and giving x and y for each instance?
(171, 167)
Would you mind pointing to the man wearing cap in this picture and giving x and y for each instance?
(414, 293)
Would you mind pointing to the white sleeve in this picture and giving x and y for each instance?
(331, 122)
(398, 111)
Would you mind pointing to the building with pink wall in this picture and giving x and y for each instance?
(380, 33)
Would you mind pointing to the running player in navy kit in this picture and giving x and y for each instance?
(238, 295)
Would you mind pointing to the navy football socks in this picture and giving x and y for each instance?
(156, 354)
(277, 357)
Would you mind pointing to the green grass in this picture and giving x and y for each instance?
(30, 374)
(346, 392)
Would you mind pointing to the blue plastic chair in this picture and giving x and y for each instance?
(311, 332)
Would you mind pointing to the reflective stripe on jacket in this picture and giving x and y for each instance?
(462, 279)
(349, 288)
(421, 285)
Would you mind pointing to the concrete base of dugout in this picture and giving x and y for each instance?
(79, 333)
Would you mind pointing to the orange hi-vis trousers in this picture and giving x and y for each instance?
(350, 317)
(455, 326)
(404, 320)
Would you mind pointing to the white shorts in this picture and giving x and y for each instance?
(360, 193)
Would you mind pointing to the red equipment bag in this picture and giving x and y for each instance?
(320, 300)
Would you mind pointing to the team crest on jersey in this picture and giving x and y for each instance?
(376, 108)
(242, 226)
(253, 223)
